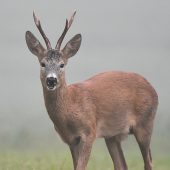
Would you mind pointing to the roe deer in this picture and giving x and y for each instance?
(110, 105)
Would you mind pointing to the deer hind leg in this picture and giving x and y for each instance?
(81, 150)
(116, 153)
(143, 137)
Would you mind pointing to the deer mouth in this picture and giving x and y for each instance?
(51, 87)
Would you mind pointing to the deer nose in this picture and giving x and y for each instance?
(51, 82)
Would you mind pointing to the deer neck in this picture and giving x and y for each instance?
(57, 103)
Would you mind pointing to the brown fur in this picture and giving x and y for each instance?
(107, 105)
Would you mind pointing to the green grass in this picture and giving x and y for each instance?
(54, 160)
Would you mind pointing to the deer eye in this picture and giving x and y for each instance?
(62, 65)
(42, 64)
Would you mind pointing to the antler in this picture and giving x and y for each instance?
(67, 26)
(38, 24)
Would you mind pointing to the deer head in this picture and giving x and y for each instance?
(52, 61)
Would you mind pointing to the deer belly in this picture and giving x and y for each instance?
(107, 128)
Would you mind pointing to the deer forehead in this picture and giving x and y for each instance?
(52, 56)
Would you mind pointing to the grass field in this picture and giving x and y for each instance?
(58, 156)
(53, 160)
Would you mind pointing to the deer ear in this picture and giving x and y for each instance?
(72, 47)
(33, 44)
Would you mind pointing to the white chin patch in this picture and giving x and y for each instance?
(51, 89)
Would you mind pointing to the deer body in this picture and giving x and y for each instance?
(110, 105)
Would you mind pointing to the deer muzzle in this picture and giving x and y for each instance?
(51, 83)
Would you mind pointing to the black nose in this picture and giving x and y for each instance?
(51, 82)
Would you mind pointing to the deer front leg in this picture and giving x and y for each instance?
(81, 150)
(116, 153)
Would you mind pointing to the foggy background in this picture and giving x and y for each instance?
(131, 36)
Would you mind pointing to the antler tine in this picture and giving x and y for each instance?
(38, 24)
(71, 20)
(67, 26)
